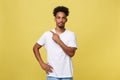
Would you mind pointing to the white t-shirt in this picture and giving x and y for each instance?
(56, 57)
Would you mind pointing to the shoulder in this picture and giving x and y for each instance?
(69, 32)
(46, 33)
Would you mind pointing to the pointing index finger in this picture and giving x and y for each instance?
(52, 32)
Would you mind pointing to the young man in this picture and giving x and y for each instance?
(60, 45)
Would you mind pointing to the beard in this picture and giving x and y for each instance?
(61, 25)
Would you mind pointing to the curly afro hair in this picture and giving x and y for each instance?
(61, 9)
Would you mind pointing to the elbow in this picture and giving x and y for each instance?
(34, 48)
(72, 54)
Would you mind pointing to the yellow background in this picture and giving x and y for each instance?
(95, 22)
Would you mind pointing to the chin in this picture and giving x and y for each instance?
(61, 27)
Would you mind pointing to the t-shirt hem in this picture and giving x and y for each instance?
(59, 76)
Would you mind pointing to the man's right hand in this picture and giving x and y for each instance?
(46, 67)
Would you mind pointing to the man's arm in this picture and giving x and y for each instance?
(44, 66)
(68, 50)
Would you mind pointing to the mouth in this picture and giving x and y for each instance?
(61, 23)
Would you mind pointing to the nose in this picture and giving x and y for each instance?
(61, 20)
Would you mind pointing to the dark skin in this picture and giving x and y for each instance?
(47, 68)
(60, 20)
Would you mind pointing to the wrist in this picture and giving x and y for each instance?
(41, 63)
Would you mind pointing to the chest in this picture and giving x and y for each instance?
(65, 39)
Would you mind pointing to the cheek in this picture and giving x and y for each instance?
(57, 20)
(64, 20)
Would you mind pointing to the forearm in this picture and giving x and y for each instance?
(37, 55)
(68, 50)
(43, 65)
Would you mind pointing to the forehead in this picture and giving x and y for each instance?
(60, 14)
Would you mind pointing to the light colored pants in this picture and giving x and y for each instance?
(53, 78)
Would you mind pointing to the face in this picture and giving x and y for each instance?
(60, 19)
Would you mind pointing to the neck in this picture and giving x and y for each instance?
(59, 30)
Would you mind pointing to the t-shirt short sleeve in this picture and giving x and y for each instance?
(72, 41)
(42, 40)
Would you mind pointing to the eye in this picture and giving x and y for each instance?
(64, 17)
(57, 17)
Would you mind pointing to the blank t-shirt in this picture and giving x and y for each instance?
(56, 57)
